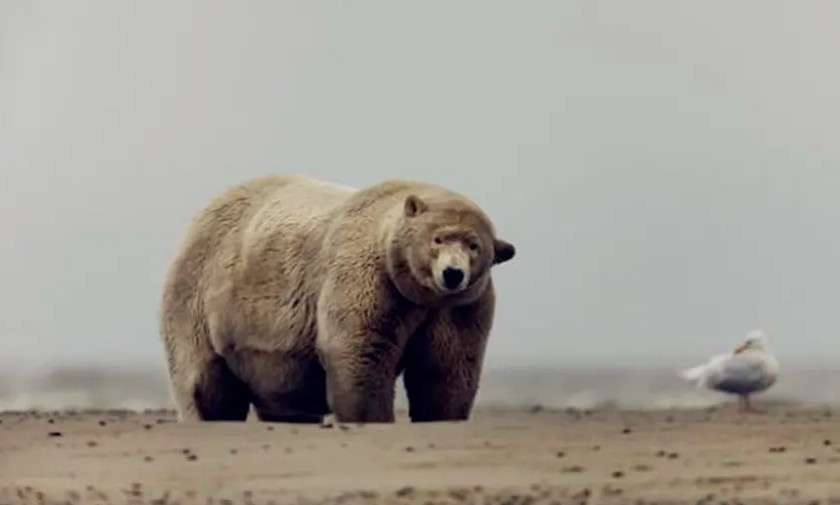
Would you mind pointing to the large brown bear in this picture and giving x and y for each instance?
(303, 298)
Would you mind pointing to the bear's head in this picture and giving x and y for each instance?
(442, 250)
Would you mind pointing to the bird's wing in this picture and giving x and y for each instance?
(700, 374)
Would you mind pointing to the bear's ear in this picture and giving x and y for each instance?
(414, 206)
(504, 251)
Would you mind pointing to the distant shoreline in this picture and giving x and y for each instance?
(139, 388)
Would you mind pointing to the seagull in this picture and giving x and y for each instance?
(749, 369)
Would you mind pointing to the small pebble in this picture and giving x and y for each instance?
(55, 434)
(618, 474)
(810, 461)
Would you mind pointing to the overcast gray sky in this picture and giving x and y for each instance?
(669, 171)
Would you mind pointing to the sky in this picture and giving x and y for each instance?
(668, 171)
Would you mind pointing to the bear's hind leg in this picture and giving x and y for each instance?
(209, 392)
(220, 396)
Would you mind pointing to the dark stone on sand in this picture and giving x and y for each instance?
(404, 491)
(810, 461)
(673, 455)
(147, 426)
(409, 449)
(102, 423)
(626, 431)
(55, 434)
(585, 493)
(191, 457)
(560, 454)
(618, 474)
(92, 443)
(826, 442)
(148, 459)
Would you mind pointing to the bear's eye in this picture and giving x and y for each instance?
(473, 246)
(438, 240)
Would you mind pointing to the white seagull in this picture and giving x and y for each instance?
(750, 368)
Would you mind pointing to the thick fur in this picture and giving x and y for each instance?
(302, 298)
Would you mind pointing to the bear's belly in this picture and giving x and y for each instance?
(282, 384)
(270, 347)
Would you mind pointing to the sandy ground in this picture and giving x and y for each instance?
(514, 457)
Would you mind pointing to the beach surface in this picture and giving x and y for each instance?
(515, 456)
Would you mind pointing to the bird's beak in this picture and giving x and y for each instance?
(740, 348)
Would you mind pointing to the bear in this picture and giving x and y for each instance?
(301, 298)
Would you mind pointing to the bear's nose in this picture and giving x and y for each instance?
(452, 277)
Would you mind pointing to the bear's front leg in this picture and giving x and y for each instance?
(361, 378)
(443, 363)
(360, 343)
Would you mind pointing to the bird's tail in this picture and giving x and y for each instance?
(695, 374)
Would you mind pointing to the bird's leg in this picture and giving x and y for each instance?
(748, 408)
(742, 403)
